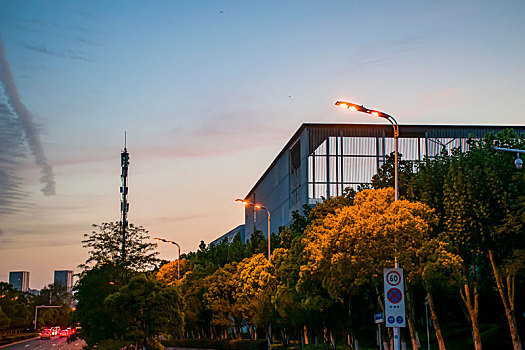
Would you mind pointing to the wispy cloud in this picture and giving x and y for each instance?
(69, 54)
(222, 134)
(385, 54)
(25, 121)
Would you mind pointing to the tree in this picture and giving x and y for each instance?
(169, 272)
(196, 316)
(53, 294)
(484, 217)
(146, 308)
(16, 306)
(4, 321)
(348, 250)
(385, 176)
(94, 286)
(105, 246)
(257, 243)
(478, 198)
(220, 299)
(255, 283)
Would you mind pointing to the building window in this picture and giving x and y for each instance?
(295, 165)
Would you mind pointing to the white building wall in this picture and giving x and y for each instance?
(273, 192)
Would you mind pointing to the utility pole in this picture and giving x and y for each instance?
(124, 206)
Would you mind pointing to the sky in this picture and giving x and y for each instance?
(209, 92)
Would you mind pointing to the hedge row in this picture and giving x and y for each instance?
(242, 344)
(16, 337)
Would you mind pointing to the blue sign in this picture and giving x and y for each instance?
(391, 319)
(378, 317)
(399, 319)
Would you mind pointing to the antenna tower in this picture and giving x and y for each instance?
(124, 206)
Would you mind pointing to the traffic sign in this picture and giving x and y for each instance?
(394, 298)
(378, 317)
(393, 278)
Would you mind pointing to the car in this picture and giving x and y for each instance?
(46, 334)
(64, 333)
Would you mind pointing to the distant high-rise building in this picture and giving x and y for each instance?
(65, 278)
(19, 280)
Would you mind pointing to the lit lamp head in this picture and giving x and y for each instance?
(348, 105)
(245, 203)
(352, 106)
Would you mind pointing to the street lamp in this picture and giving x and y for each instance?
(358, 108)
(518, 162)
(257, 207)
(178, 260)
(42, 307)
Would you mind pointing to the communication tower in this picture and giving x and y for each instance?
(124, 206)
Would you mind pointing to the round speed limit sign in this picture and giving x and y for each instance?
(393, 278)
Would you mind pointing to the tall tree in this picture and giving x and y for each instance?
(145, 309)
(16, 306)
(104, 244)
(485, 210)
(220, 299)
(385, 176)
(255, 284)
(349, 249)
(94, 286)
(4, 322)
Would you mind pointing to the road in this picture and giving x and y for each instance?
(55, 343)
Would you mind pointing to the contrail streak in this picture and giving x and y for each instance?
(27, 123)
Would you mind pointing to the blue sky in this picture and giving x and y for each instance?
(209, 92)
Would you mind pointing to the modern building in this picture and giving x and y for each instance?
(231, 235)
(19, 280)
(321, 160)
(64, 277)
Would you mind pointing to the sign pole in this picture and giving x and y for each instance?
(378, 318)
(396, 329)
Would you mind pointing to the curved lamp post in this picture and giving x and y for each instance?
(178, 260)
(358, 108)
(257, 207)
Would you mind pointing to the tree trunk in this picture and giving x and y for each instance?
(305, 331)
(471, 302)
(435, 322)
(250, 330)
(413, 332)
(384, 338)
(507, 297)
